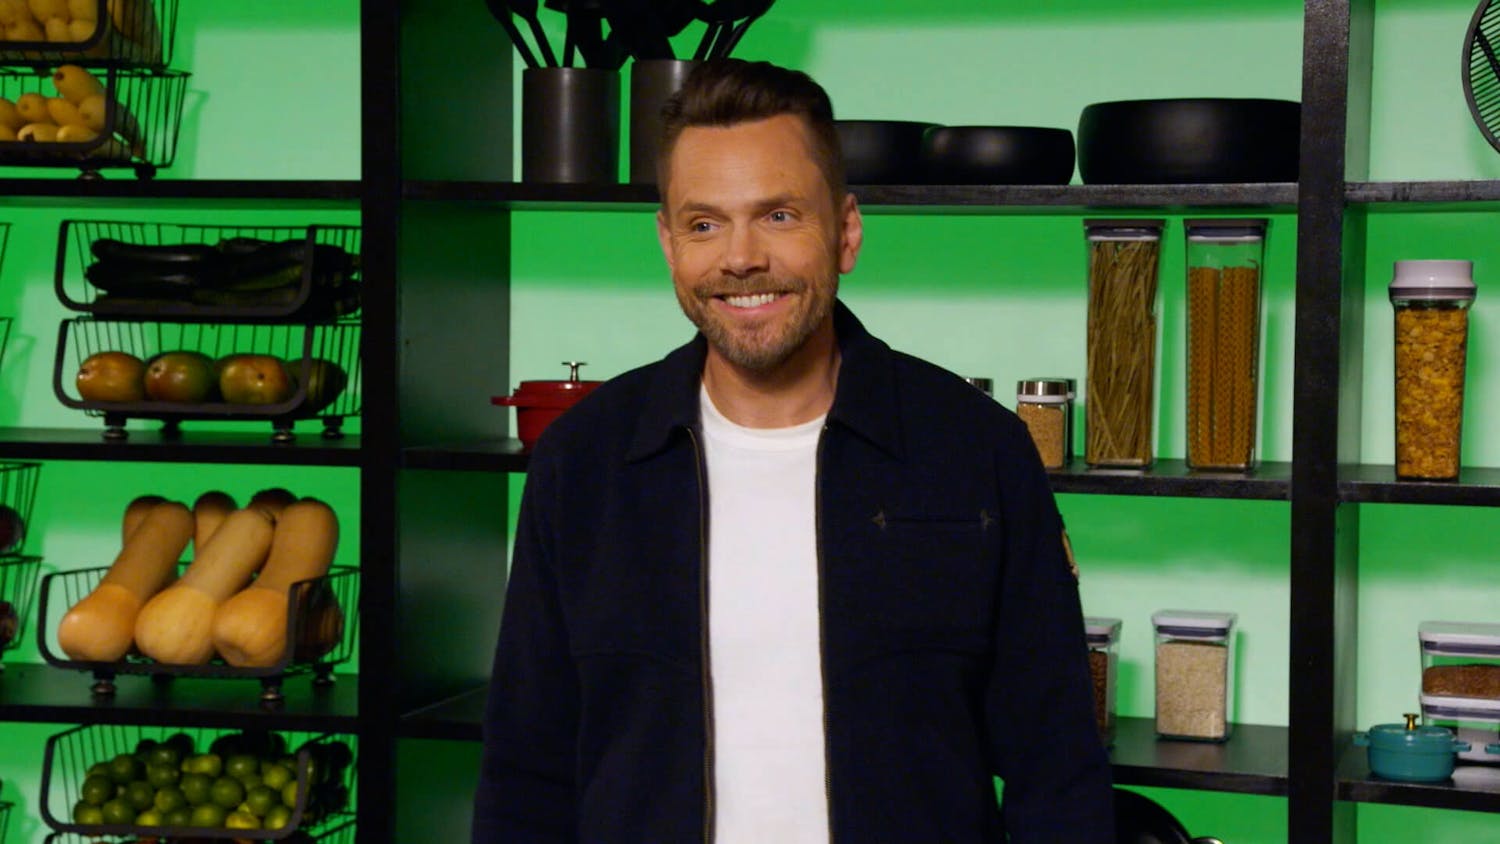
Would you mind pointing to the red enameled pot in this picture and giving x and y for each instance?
(537, 403)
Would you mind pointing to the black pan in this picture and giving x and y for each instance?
(1141, 820)
(1194, 140)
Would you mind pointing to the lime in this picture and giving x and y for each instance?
(227, 793)
(241, 820)
(144, 747)
(184, 744)
(140, 795)
(179, 817)
(98, 769)
(241, 765)
(164, 754)
(276, 776)
(261, 800)
(124, 768)
(118, 811)
(289, 794)
(277, 818)
(207, 815)
(208, 764)
(97, 789)
(250, 781)
(168, 798)
(161, 776)
(87, 813)
(150, 817)
(196, 788)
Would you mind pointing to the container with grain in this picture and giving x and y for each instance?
(1224, 260)
(1194, 674)
(1461, 682)
(1103, 636)
(1120, 385)
(1046, 406)
(1431, 301)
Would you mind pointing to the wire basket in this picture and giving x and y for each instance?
(133, 33)
(203, 273)
(17, 586)
(325, 777)
(5, 807)
(18, 482)
(342, 833)
(298, 371)
(322, 627)
(131, 120)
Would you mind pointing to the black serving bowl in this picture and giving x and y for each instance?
(882, 152)
(997, 155)
(1176, 141)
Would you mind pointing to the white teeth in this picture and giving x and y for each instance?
(750, 301)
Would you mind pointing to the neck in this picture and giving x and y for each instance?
(799, 390)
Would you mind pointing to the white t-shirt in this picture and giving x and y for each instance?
(764, 634)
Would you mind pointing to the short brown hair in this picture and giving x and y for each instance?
(724, 92)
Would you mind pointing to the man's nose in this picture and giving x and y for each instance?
(744, 252)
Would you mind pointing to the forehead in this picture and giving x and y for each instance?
(768, 157)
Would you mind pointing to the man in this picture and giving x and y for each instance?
(785, 585)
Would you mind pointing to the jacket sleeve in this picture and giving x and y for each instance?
(1039, 698)
(526, 792)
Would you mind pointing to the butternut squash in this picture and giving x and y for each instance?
(176, 626)
(250, 629)
(209, 511)
(100, 627)
(272, 500)
(135, 511)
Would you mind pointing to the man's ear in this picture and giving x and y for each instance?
(664, 235)
(853, 235)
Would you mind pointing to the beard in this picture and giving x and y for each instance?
(765, 344)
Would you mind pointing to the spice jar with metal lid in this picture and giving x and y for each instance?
(1120, 398)
(1431, 301)
(1224, 259)
(1194, 674)
(983, 385)
(1103, 637)
(1046, 406)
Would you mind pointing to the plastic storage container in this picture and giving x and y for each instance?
(1224, 259)
(1431, 301)
(1103, 636)
(1119, 408)
(1194, 674)
(1461, 681)
(1046, 406)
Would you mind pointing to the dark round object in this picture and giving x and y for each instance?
(1141, 820)
(882, 152)
(998, 155)
(1177, 141)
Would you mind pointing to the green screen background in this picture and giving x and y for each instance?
(275, 94)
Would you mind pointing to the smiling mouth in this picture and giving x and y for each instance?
(750, 300)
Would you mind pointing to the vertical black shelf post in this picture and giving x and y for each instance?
(1325, 429)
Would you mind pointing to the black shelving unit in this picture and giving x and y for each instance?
(152, 445)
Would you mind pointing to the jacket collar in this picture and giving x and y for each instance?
(864, 401)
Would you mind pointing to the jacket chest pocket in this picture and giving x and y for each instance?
(928, 578)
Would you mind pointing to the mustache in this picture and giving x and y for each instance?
(749, 286)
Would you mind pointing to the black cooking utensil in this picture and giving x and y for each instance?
(738, 32)
(639, 28)
(527, 9)
(501, 11)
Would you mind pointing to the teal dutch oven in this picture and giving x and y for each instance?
(1409, 753)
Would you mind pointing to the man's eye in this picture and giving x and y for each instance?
(700, 226)
(781, 216)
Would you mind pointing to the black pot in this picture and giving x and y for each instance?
(882, 152)
(997, 155)
(1141, 820)
(1176, 141)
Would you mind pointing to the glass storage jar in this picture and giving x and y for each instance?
(1103, 636)
(1194, 674)
(1046, 406)
(1224, 259)
(1120, 399)
(1431, 300)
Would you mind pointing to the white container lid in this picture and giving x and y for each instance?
(1100, 631)
(1460, 638)
(1437, 280)
(1193, 624)
(1469, 708)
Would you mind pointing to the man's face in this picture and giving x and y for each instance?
(754, 239)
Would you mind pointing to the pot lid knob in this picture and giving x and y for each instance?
(1411, 720)
(572, 366)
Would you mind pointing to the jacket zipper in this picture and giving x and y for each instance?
(822, 637)
(703, 646)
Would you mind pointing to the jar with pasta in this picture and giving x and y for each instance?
(1431, 300)
(1224, 259)
(1194, 674)
(1120, 392)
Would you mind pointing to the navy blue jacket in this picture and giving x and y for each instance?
(952, 638)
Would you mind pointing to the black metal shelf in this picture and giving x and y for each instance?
(455, 719)
(63, 191)
(498, 455)
(1477, 487)
(1473, 788)
(152, 446)
(1399, 196)
(940, 199)
(1252, 761)
(1268, 481)
(31, 692)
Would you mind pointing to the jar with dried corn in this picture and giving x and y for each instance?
(1431, 301)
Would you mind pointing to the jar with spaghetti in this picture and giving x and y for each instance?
(1120, 393)
(1103, 637)
(1431, 299)
(1046, 406)
(1224, 259)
